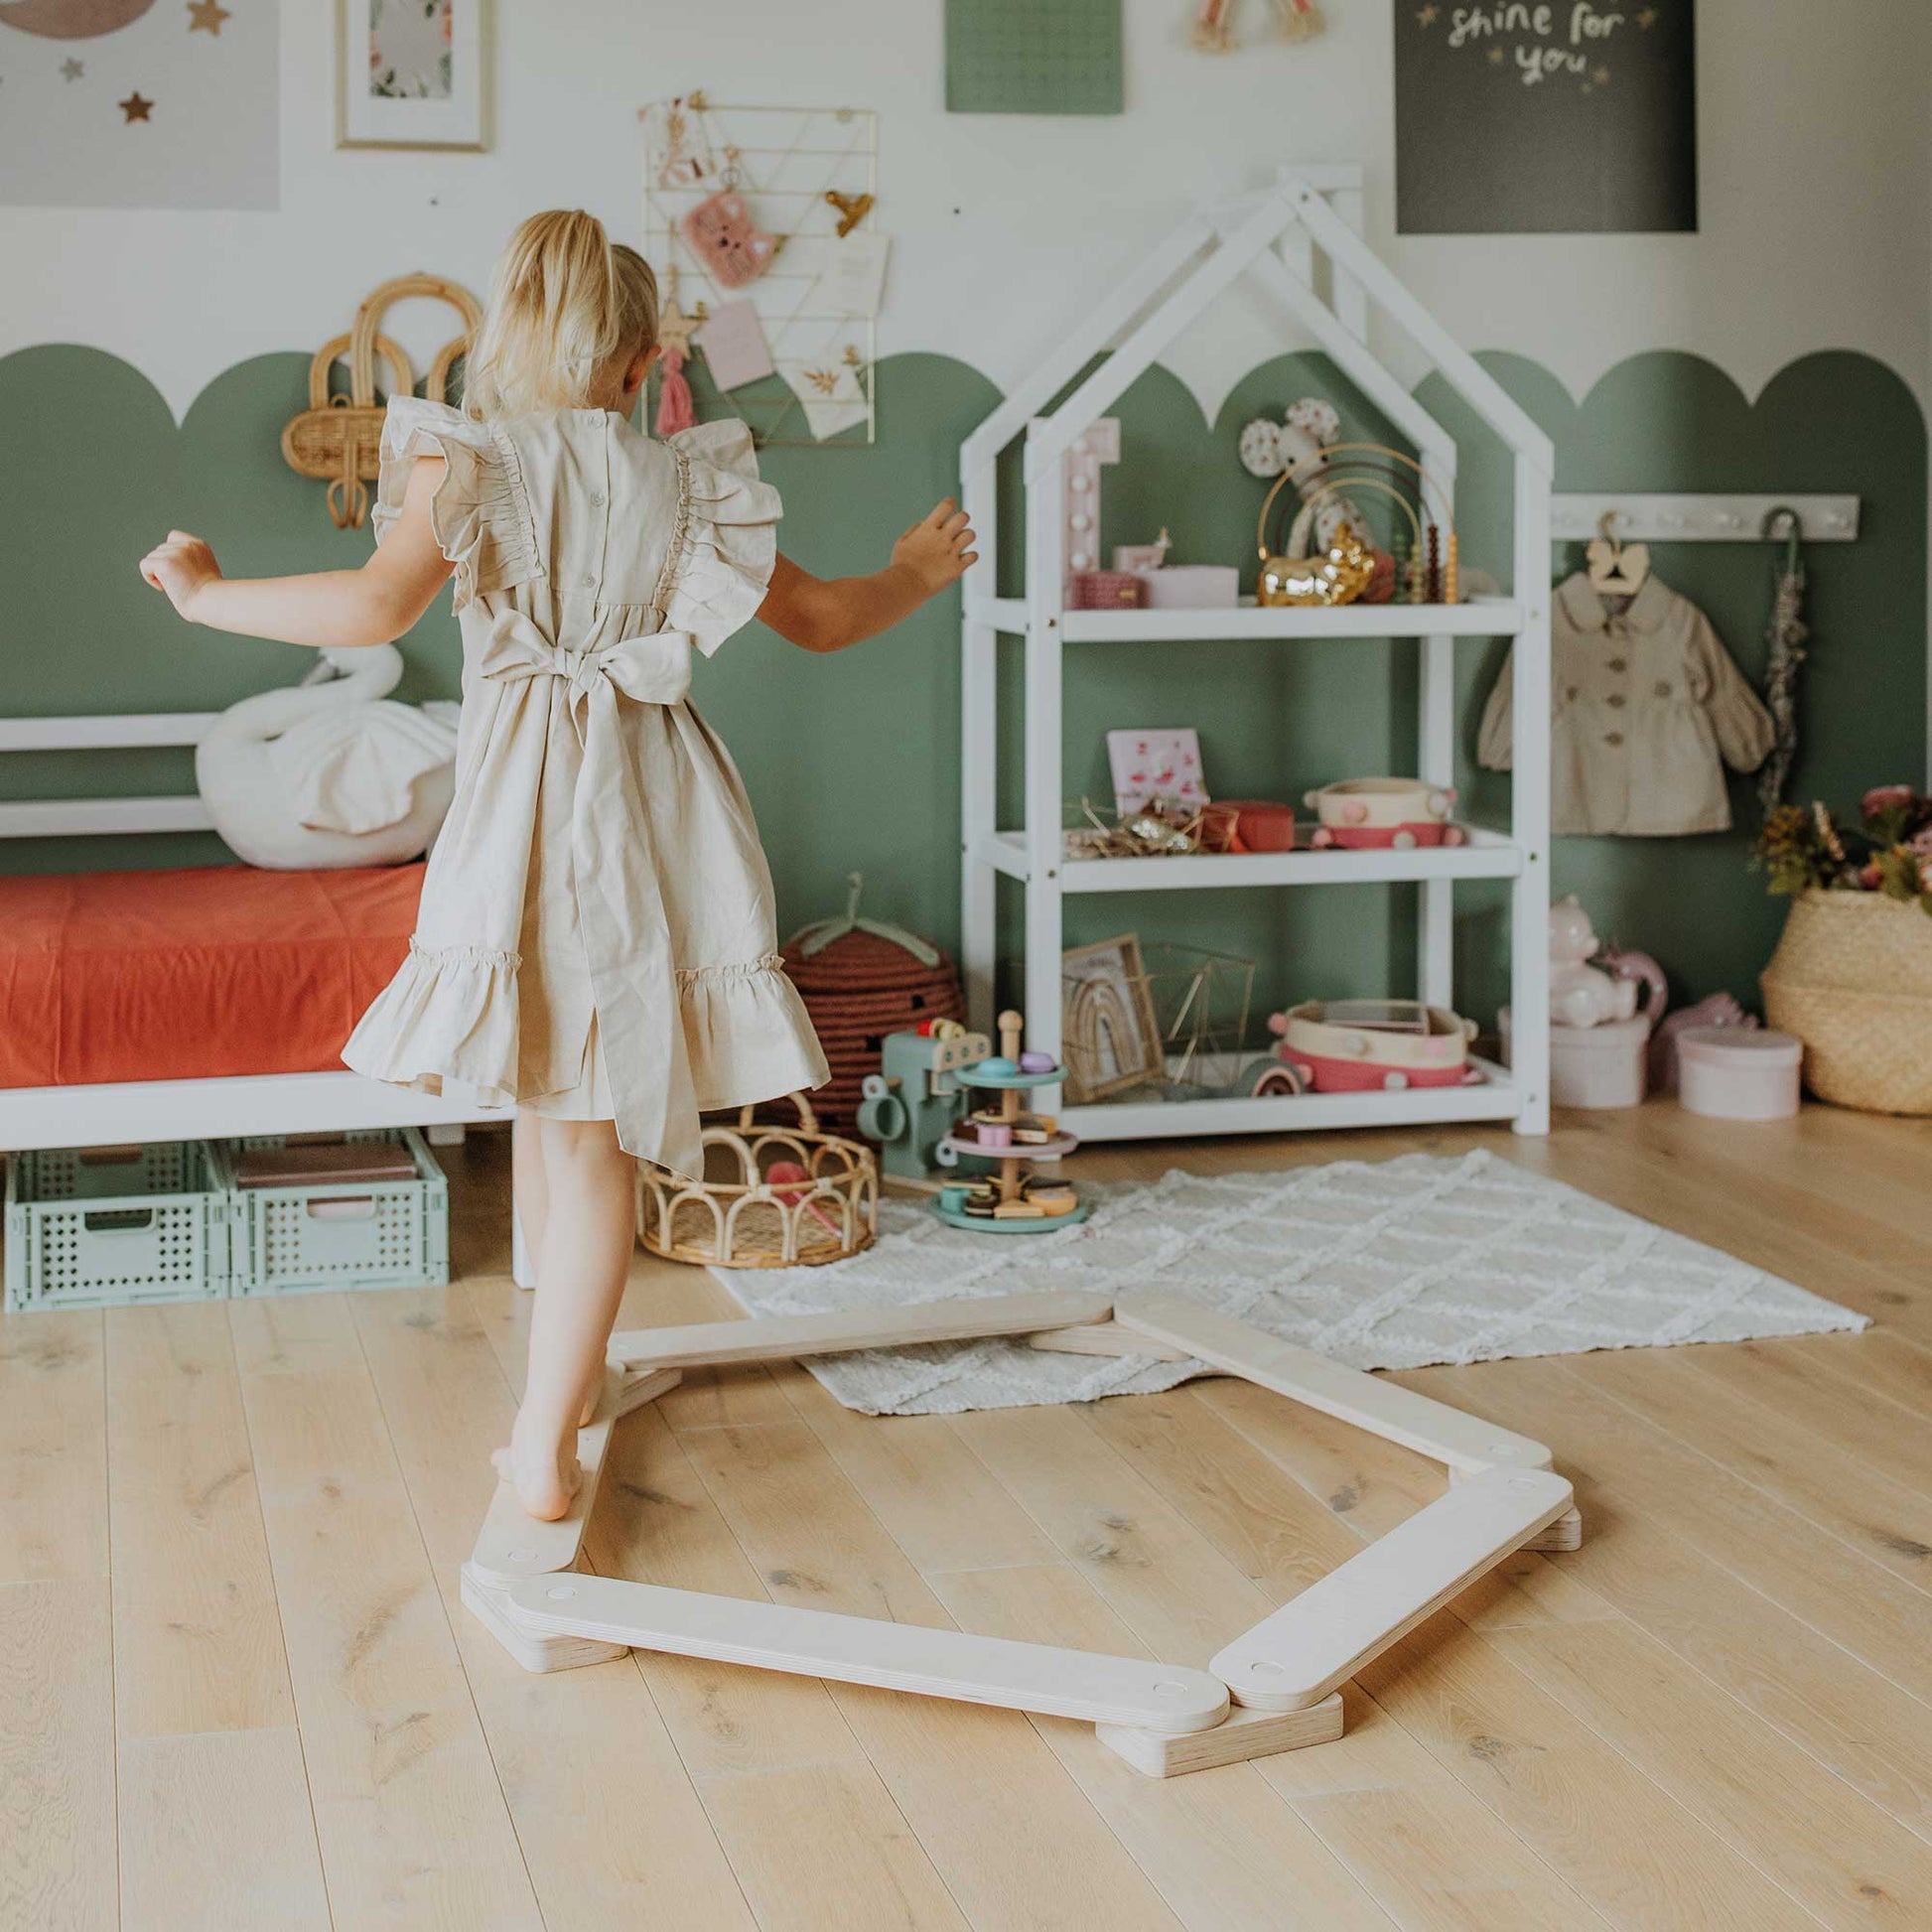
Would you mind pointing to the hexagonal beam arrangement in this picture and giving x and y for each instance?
(1275, 1689)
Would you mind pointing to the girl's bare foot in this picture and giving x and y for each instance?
(546, 1477)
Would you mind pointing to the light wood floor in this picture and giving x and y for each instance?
(237, 1693)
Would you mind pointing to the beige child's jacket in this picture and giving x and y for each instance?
(600, 863)
(1647, 707)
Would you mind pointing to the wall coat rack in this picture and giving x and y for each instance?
(1695, 518)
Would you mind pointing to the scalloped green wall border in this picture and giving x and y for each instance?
(854, 761)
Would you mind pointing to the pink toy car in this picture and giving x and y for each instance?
(1402, 813)
(1375, 1046)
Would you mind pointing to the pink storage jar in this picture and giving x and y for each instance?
(1737, 1073)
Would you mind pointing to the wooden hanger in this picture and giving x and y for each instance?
(1616, 569)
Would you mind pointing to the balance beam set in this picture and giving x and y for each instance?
(1275, 1688)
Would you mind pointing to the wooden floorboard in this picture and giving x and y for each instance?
(237, 1684)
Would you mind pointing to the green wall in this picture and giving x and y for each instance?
(852, 762)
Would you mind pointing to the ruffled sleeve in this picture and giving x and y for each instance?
(1745, 729)
(1495, 751)
(480, 512)
(720, 566)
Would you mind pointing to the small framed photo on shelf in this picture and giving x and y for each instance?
(412, 74)
(1110, 1037)
(1161, 764)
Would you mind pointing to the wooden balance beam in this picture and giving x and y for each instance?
(1164, 1720)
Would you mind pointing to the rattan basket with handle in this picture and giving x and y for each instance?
(738, 1216)
(337, 440)
(1851, 979)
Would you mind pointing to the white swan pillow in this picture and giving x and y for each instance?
(330, 772)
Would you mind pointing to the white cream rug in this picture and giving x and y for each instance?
(1394, 1265)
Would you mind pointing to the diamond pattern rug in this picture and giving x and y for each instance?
(1397, 1264)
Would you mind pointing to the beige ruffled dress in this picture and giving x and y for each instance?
(597, 937)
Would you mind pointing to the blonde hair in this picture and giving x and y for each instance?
(567, 307)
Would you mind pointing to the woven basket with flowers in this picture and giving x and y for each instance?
(1851, 976)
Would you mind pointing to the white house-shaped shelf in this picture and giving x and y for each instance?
(1273, 241)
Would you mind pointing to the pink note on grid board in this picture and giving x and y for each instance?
(733, 345)
(1150, 764)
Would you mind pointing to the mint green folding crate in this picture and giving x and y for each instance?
(337, 1234)
(103, 1226)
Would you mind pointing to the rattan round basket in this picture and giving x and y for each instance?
(738, 1218)
(1851, 979)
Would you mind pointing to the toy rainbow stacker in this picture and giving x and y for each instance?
(1010, 1198)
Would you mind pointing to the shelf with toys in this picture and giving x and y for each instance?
(1484, 616)
(1482, 854)
(1323, 574)
(1496, 1096)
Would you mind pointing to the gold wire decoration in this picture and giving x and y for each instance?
(1359, 473)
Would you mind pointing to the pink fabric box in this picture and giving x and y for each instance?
(1735, 1073)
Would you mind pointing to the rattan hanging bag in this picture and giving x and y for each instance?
(742, 1216)
(1851, 979)
(337, 440)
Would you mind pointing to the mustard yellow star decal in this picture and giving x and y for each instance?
(207, 16)
(135, 108)
(1429, 16)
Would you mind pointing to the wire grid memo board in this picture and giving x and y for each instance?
(784, 162)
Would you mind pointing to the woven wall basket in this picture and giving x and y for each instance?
(1851, 979)
(337, 440)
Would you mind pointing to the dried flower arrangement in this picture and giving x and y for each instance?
(1890, 852)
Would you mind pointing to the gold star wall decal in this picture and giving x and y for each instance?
(1647, 19)
(1495, 57)
(206, 17)
(72, 70)
(1601, 76)
(135, 108)
(1429, 16)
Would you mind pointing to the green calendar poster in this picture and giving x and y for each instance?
(1033, 56)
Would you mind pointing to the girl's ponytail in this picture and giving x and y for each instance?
(565, 306)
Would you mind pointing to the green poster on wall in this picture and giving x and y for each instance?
(1033, 56)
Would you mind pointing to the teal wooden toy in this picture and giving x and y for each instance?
(912, 1103)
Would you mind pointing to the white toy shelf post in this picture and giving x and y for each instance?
(1271, 239)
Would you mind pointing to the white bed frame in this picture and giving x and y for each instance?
(110, 1113)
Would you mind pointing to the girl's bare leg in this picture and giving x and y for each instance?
(583, 1257)
(527, 1185)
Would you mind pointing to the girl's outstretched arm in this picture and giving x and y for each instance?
(374, 605)
(827, 614)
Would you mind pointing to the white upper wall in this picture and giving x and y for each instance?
(1815, 136)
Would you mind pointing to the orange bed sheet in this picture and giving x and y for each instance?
(195, 974)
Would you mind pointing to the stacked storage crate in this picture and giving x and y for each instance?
(202, 1220)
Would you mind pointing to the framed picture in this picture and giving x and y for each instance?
(1109, 1038)
(1159, 764)
(412, 74)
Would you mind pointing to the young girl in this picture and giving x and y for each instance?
(596, 936)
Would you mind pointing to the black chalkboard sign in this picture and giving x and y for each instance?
(1545, 117)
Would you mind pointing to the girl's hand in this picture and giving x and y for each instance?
(183, 567)
(938, 550)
